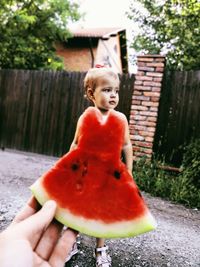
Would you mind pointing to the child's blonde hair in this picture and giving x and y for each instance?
(95, 74)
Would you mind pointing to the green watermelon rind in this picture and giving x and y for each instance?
(97, 228)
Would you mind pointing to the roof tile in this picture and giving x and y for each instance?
(95, 32)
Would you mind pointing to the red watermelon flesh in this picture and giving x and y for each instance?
(95, 193)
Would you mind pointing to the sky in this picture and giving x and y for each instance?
(107, 13)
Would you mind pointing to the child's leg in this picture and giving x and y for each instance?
(102, 257)
(74, 250)
(100, 242)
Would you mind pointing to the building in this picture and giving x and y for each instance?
(91, 46)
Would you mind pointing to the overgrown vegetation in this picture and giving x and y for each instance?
(169, 27)
(181, 187)
(29, 30)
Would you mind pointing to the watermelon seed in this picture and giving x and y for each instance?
(117, 174)
(74, 167)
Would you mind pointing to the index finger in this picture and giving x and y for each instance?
(31, 207)
(63, 248)
(33, 203)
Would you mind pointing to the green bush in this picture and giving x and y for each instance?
(186, 189)
(150, 178)
(191, 162)
(181, 187)
(183, 191)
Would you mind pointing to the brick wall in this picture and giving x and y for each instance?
(145, 102)
(75, 58)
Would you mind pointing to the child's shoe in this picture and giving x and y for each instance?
(73, 252)
(102, 258)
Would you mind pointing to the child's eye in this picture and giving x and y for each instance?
(106, 90)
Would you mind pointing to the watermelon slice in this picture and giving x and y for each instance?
(94, 192)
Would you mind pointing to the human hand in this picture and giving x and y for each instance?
(34, 239)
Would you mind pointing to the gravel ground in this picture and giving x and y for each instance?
(175, 243)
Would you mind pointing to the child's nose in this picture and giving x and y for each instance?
(113, 94)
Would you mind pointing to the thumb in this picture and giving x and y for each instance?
(35, 225)
(44, 216)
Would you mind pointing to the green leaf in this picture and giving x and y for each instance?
(29, 30)
(168, 27)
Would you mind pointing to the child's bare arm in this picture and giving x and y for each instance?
(127, 149)
(76, 136)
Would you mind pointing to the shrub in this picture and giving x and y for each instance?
(152, 179)
(191, 162)
(182, 188)
(183, 191)
(186, 189)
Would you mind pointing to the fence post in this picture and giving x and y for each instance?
(145, 102)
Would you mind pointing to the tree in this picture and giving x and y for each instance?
(29, 30)
(170, 27)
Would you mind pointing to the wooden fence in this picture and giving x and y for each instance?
(179, 119)
(39, 109)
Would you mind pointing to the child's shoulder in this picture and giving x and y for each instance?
(88, 113)
(90, 109)
(120, 115)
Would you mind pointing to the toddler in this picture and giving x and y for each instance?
(102, 89)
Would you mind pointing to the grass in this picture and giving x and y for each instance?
(178, 187)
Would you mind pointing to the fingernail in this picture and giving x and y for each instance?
(50, 204)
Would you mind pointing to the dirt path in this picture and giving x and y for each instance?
(175, 243)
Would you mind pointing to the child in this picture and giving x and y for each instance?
(102, 88)
(81, 179)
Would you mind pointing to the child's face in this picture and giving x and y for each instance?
(106, 94)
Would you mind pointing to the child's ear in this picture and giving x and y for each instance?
(90, 93)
